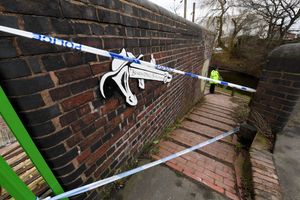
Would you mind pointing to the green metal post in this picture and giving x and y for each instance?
(14, 123)
(10, 181)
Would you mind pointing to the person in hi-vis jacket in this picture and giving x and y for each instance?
(214, 74)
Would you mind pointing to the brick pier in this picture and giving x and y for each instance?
(212, 165)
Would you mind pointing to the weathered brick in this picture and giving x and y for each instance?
(53, 62)
(63, 159)
(10, 21)
(112, 43)
(60, 93)
(75, 184)
(97, 29)
(7, 48)
(78, 11)
(34, 64)
(99, 68)
(71, 177)
(108, 17)
(88, 130)
(68, 118)
(54, 152)
(28, 102)
(53, 139)
(83, 85)
(81, 28)
(32, 47)
(111, 105)
(73, 74)
(47, 7)
(41, 130)
(83, 155)
(28, 86)
(61, 171)
(97, 154)
(41, 115)
(78, 100)
(14, 68)
(61, 26)
(36, 24)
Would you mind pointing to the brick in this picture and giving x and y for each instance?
(111, 105)
(75, 184)
(291, 76)
(83, 85)
(53, 62)
(41, 130)
(78, 100)
(47, 7)
(36, 24)
(64, 158)
(34, 64)
(129, 21)
(41, 115)
(90, 41)
(78, 11)
(81, 28)
(53, 139)
(231, 195)
(68, 118)
(75, 139)
(28, 102)
(53, 152)
(7, 48)
(73, 59)
(113, 43)
(71, 177)
(34, 47)
(83, 155)
(73, 74)
(61, 26)
(90, 170)
(214, 187)
(88, 130)
(97, 29)
(10, 21)
(108, 17)
(60, 93)
(61, 171)
(100, 68)
(97, 154)
(15, 68)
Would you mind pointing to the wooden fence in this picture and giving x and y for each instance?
(6, 137)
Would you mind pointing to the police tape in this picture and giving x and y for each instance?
(111, 179)
(88, 49)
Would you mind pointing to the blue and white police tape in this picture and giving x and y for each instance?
(104, 53)
(111, 179)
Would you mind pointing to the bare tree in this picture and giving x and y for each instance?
(176, 6)
(279, 15)
(216, 17)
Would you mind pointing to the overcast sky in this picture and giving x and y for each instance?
(200, 12)
(169, 5)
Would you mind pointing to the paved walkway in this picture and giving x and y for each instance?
(287, 157)
(212, 165)
(161, 183)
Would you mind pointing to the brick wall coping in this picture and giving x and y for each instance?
(285, 58)
(264, 176)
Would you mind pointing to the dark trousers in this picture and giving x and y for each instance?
(212, 88)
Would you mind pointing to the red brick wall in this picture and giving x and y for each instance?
(278, 90)
(55, 91)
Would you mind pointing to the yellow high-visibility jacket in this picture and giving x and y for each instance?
(214, 74)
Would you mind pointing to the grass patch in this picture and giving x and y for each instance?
(247, 182)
